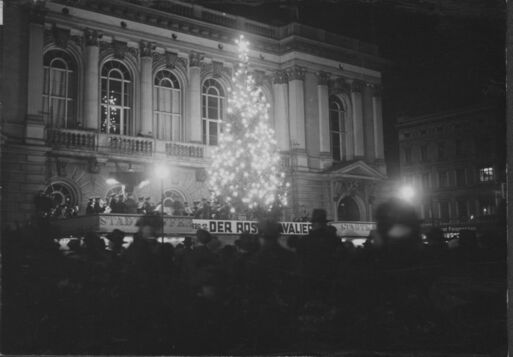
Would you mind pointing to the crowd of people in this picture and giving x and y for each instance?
(126, 203)
(264, 294)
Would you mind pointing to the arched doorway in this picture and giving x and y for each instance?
(348, 210)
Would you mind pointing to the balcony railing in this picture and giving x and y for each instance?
(121, 144)
(72, 138)
(185, 150)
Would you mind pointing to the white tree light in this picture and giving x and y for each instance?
(245, 170)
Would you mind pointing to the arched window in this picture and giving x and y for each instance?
(167, 105)
(212, 99)
(337, 127)
(61, 193)
(59, 89)
(116, 98)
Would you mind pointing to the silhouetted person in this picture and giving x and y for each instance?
(317, 254)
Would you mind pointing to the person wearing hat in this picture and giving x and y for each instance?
(116, 238)
(316, 253)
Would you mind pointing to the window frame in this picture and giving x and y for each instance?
(125, 124)
(175, 117)
(340, 111)
(70, 70)
(206, 121)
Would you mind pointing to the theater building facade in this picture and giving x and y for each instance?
(101, 89)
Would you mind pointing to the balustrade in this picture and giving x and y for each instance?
(130, 145)
(72, 138)
(184, 150)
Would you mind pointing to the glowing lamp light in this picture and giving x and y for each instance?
(111, 181)
(407, 193)
(161, 172)
(144, 183)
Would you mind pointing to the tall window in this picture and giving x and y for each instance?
(167, 105)
(486, 174)
(337, 127)
(116, 98)
(212, 102)
(59, 89)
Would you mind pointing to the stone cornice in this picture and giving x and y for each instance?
(270, 39)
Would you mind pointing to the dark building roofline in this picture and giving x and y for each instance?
(452, 113)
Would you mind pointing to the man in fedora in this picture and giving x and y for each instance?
(317, 253)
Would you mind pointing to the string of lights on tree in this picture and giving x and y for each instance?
(109, 123)
(245, 170)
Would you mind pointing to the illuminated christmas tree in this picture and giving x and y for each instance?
(245, 171)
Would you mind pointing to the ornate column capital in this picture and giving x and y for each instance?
(296, 73)
(195, 59)
(280, 77)
(322, 78)
(146, 48)
(92, 37)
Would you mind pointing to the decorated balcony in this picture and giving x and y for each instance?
(83, 140)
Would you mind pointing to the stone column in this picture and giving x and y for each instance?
(146, 120)
(194, 101)
(379, 150)
(281, 110)
(296, 76)
(324, 113)
(35, 63)
(368, 122)
(91, 87)
(356, 100)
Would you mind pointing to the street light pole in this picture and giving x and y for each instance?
(162, 206)
(162, 172)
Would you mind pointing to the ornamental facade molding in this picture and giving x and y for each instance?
(195, 59)
(345, 188)
(296, 73)
(280, 77)
(146, 48)
(169, 60)
(92, 37)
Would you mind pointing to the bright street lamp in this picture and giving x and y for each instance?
(111, 181)
(162, 172)
(406, 193)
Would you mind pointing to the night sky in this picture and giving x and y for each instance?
(441, 58)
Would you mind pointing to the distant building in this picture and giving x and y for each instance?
(455, 161)
(100, 89)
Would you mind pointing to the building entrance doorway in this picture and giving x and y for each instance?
(348, 210)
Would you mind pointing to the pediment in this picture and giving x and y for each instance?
(358, 169)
